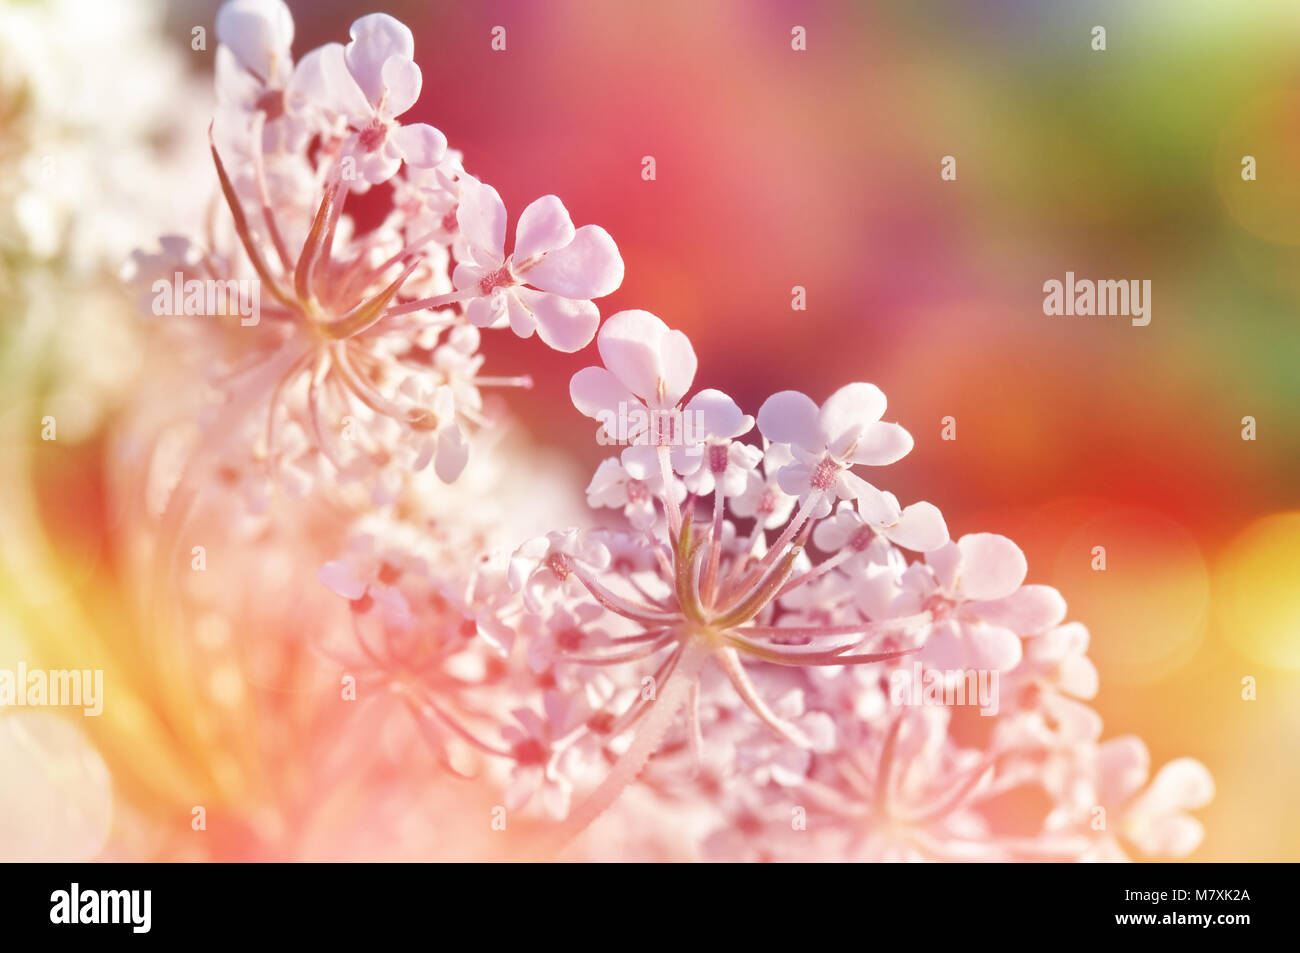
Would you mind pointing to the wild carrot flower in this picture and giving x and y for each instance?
(547, 283)
(382, 382)
(695, 634)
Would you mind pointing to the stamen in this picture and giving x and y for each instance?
(373, 136)
(718, 458)
(501, 278)
(560, 564)
(861, 538)
(824, 474)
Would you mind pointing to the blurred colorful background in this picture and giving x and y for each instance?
(820, 168)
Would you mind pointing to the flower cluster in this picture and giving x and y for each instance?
(756, 632)
(819, 674)
(364, 352)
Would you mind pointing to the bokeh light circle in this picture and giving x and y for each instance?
(1147, 610)
(1257, 591)
(1265, 129)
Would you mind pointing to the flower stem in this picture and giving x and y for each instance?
(715, 546)
(672, 695)
(441, 301)
(670, 500)
(791, 528)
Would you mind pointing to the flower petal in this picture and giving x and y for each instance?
(1173, 835)
(679, 364)
(850, 408)
(322, 79)
(993, 647)
(945, 647)
(402, 82)
(597, 393)
(791, 417)
(420, 144)
(1123, 765)
(562, 323)
(453, 454)
(1029, 610)
(375, 38)
(992, 566)
(1076, 723)
(713, 413)
(881, 444)
(640, 461)
(522, 320)
(587, 267)
(258, 32)
(878, 507)
(1182, 784)
(1077, 676)
(945, 562)
(234, 84)
(921, 528)
(543, 227)
(649, 359)
(339, 577)
(481, 217)
(489, 312)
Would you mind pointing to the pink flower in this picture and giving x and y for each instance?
(547, 283)
(544, 566)
(368, 578)
(440, 438)
(727, 674)
(725, 463)
(614, 487)
(364, 87)
(534, 747)
(1154, 819)
(918, 527)
(827, 441)
(254, 65)
(973, 590)
(1049, 686)
(566, 631)
(762, 498)
(648, 370)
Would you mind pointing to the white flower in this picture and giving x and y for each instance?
(368, 578)
(365, 86)
(613, 486)
(826, 441)
(254, 66)
(547, 283)
(919, 527)
(973, 588)
(544, 566)
(1048, 687)
(762, 498)
(533, 741)
(438, 436)
(648, 370)
(1155, 819)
